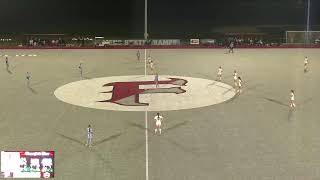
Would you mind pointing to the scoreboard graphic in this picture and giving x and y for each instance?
(27, 164)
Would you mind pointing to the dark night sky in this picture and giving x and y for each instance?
(126, 16)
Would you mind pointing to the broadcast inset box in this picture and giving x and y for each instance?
(27, 164)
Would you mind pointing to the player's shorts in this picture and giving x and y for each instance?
(158, 123)
(292, 99)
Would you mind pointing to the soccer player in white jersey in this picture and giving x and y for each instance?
(239, 85)
(158, 119)
(149, 59)
(219, 75)
(89, 136)
(292, 104)
(231, 46)
(306, 64)
(235, 78)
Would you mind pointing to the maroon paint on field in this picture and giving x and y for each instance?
(122, 91)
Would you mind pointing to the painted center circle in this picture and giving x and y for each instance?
(142, 93)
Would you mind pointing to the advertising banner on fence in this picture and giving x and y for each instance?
(135, 42)
(207, 41)
(194, 41)
(155, 42)
(167, 42)
(100, 42)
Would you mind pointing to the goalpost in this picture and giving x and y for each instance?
(307, 37)
(303, 37)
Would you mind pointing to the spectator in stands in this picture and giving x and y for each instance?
(260, 42)
(250, 41)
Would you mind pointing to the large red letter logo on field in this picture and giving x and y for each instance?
(127, 93)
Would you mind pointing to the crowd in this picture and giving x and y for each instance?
(38, 42)
(255, 41)
(238, 41)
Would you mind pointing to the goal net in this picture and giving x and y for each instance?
(303, 37)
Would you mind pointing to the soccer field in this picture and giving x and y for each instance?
(251, 136)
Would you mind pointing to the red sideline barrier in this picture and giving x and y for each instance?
(165, 47)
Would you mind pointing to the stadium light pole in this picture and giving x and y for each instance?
(145, 34)
(146, 19)
(308, 22)
(145, 74)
